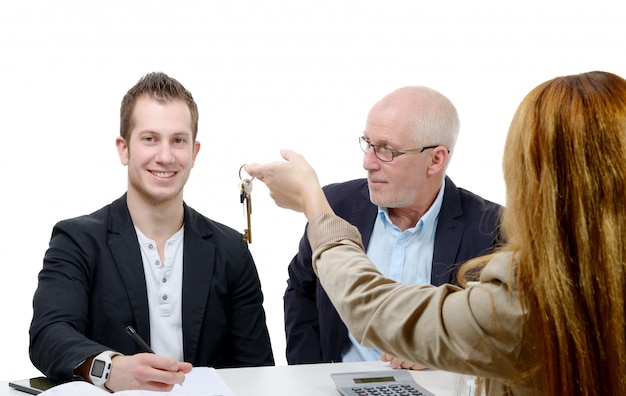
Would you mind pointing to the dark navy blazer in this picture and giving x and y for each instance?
(92, 286)
(467, 228)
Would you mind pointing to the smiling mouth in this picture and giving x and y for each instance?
(164, 175)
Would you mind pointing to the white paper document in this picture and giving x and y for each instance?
(202, 381)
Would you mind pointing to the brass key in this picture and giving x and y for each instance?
(245, 196)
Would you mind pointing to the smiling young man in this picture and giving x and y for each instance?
(187, 284)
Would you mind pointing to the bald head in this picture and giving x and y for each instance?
(429, 116)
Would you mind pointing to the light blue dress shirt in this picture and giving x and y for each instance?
(404, 256)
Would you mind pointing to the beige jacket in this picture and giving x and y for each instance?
(476, 331)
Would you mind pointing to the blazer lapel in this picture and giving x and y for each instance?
(198, 260)
(363, 214)
(122, 240)
(448, 235)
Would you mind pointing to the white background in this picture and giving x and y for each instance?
(272, 74)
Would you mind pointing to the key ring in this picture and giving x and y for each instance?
(241, 178)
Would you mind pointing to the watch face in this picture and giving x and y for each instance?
(97, 368)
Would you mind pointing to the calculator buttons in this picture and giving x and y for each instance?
(387, 390)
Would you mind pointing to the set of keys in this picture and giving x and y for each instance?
(245, 188)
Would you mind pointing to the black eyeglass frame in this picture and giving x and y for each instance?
(365, 146)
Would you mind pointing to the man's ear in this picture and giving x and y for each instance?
(438, 160)
(196, 149)
(122, 150)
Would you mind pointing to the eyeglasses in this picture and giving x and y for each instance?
(386, 154)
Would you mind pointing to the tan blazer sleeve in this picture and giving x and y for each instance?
(475, 330)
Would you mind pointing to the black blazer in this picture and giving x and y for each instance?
(467, 227)
(92, 286)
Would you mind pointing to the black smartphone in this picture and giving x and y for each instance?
(34, 386)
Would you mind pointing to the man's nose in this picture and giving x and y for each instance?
(370, 161)
(165, 154)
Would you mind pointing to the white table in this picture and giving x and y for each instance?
(311, 380)
(314, 379)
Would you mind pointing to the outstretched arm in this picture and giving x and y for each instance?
(293, 184)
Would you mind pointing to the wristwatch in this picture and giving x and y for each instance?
(101, 368)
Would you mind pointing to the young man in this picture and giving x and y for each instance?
(416, 224)
(188, 285)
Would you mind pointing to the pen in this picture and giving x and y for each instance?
(144, 345)
(133, 334)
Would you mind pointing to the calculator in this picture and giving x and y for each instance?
(378, 383)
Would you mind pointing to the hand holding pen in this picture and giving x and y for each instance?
(140, 341)
(146, 371)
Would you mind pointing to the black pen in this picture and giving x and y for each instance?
(144, 345)
(133, 334)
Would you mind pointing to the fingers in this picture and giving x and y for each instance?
(293, 184)
(395, 363)
(146, 371)
(253, 169)
(260, 171)
(415, 366)
(185, 367)
(287, 154)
